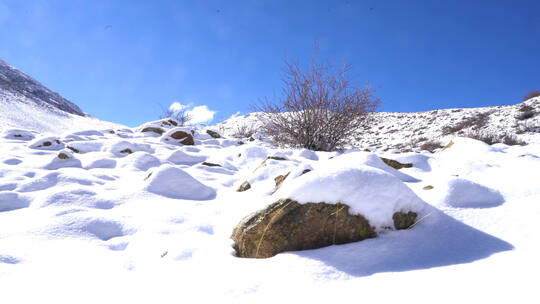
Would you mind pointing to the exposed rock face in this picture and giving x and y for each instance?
(287, 226)
(213, 134)
(185, 138)
(395, 164)
(244, 187)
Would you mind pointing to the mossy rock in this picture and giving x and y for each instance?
(287, 225)
(404, 220)
(184, 138)
(395, 164)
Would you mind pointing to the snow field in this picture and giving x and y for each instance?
(154, 224)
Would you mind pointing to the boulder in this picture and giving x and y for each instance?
(213, 134)
(287, 225)
(183, 137)
(157, 130)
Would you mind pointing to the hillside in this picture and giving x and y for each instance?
(392, 130)
(27, 104)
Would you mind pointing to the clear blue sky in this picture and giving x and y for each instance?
(119, 59)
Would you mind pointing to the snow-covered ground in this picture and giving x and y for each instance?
(115, 215)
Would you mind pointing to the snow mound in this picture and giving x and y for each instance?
(140, 161)
(466, 194)
(18, 134)
(47, 143)
(179, 157)
(369, 159)
(123, 148)
(86, 146)
(64, 159)
(174, 182)
(12, 201)
(368, 191)
(105, 163)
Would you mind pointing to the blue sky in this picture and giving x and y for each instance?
(120, 60)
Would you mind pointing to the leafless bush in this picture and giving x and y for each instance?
(244, 131)
(431, 145)
(182, 116)
(320, 108)
(475, 122)
(525, 115)
(493, 138)
(527, 127)
(531, 94)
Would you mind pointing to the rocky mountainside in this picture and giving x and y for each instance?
(15, 82)
(430, 129)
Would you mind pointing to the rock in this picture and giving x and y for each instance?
(63, 155)
(428, 187)
(244, 186)
(73, 149)
(280, 178)
(305, 171)
(404, 220)
(126, 151)
(210, 164)
(276, 158)
(251, 138)
(157, 130)
(185, 138)
(240, 142)
(287, 225)
(214, 134)
(395, 164)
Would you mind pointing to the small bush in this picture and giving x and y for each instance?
(527, 127)
(525, 115)
(244, 131)
(475, 122)
(181, 116)
(531, 94)
(431, 145)
(493, 138)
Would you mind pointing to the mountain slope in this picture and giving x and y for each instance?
(392, 130)
(18, 83)
(27, 104)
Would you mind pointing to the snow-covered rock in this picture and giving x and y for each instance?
(368, 191)
(174, 182)
(464, 193)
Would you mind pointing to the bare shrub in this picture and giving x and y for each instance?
(527, 127)
(181, 116)
(493, 138)
(475, 122)
(320, 108)
(244, 131)
(431, 145)
(525, 115)
(531, 94)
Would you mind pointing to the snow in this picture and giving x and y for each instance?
(176, 183)
(154, 224)
(465, 193)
